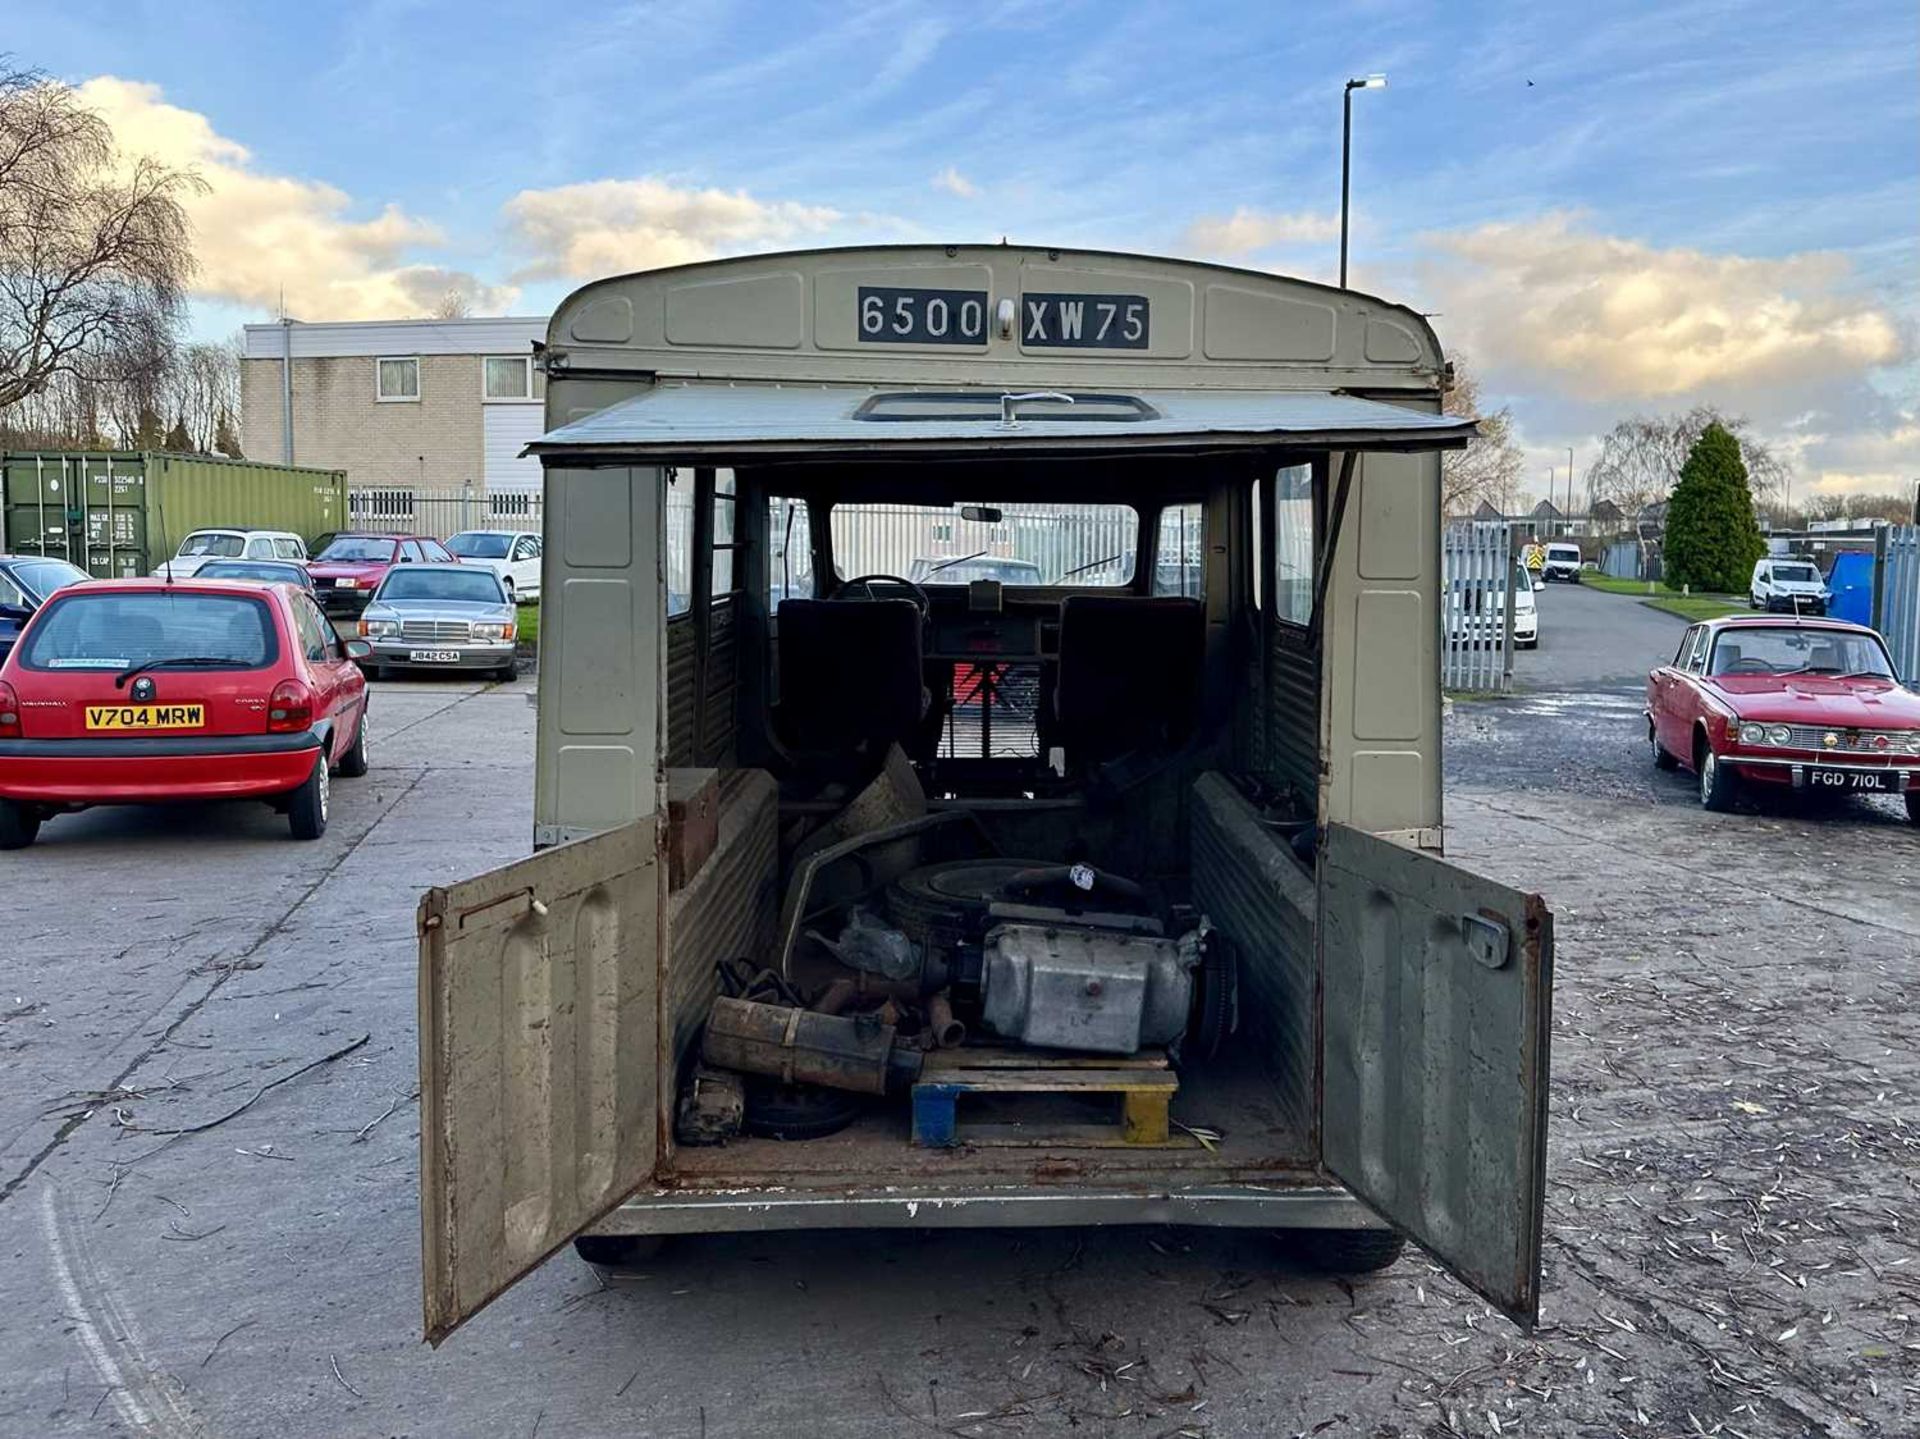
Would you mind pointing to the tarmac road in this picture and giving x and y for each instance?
(1732, 1181)
(1593, 640)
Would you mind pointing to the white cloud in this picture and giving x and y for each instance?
(258, 235)
(1610, 318)
(1247, 230)
(954, 183)
(608, 227)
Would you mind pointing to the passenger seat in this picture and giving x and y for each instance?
(1129, 675)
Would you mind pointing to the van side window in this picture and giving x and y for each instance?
(1293, 545)
(679, 542)
(789, 550)
(1179, 551)
(723, 532)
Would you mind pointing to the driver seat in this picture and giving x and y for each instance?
(850, 673)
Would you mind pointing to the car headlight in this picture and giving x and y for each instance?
(1753, 734)
(494, 632)
(1910, 741)
(379, 629)
(1779, 734)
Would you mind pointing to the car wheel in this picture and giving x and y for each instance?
(1753, 602)
(307, 810)
(1717, 782)
(1661, 759)
(508, 585)
(1347, 1251)
(19, 824)
(353, 764)
(618, 1251)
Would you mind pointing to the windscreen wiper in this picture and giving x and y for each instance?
(1093, 565)
(946, 564)
(197, 662)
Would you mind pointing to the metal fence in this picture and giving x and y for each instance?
(403, 511)
(1477, 636)
(1898, 600)
(1087, 544)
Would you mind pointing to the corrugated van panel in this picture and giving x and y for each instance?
(717, 725)
(681, 683)
(1292, 750)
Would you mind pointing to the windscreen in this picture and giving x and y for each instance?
(1796, 574)
(480, 545)
(460, 586)
(43, 577)
(254, 570)
(211, 544)
(118, 631)
(356, 550)
(1026, 544)
(1786, 650)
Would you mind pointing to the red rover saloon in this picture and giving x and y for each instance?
(138, 691)
(1810, 705)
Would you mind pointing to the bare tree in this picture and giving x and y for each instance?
(1489, 467)
(1640, 458)
(95, 250)
(452, 305)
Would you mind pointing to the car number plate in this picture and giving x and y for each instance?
(1851, 779)
(146, 717)
(434, 657)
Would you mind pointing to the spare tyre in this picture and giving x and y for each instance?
(945, 902)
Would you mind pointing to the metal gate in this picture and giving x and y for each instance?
(1898, 601)
(1476, 620)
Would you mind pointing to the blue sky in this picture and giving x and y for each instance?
(1688, 201)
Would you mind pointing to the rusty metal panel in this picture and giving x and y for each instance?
(1437, 990)
(538, 1035)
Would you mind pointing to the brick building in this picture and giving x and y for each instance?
(429, 405)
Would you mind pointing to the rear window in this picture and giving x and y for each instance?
(356, 550)
(480, 545)
(264, 571)
(43, 577)
(212, 545)
(117, 631)
(472, 586)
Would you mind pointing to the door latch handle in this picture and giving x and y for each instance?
(1488, 940)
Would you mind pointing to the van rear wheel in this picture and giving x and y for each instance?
(618, 1251)
(1348, 1251)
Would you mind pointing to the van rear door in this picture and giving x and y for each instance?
(1437, 990)
(538, 1044)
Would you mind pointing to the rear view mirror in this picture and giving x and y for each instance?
(982, 514)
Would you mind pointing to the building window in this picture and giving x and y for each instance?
(507, 377)
(398, 378)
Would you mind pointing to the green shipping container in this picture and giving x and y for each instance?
(121, 513)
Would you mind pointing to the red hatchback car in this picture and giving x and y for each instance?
(137, 691)
(348, 571)
(1811, 705)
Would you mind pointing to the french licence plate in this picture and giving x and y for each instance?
(434, 657)
(1851, 779)
(146, 717)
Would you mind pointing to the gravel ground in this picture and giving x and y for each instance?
(1730, 1230)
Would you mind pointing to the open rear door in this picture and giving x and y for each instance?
(538, 1026)
(1437, 988)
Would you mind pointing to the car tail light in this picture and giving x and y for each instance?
(289, 708)
(9, 713)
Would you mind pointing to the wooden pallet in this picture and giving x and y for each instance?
(1143, 1084)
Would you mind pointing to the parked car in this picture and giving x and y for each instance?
(1471, 620)
(261, 572)
(352, 566)
(138, 691)
(202, 547)
(1807, 705)
(965, 569)
(1789, 586)
(26, 583)
(514, 555)
(440, 617)
(1562, 562)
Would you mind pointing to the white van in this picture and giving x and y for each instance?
(1169, 840)
(1562, 563)
(1791, 586)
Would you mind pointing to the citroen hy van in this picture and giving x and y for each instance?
(1215, 671)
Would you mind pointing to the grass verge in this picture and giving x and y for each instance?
(529, 622)
(1698, 607)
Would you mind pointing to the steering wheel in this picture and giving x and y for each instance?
(1748, 665)
(866, 583)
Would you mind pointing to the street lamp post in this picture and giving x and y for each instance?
(1365, 82)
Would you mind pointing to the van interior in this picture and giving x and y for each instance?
(1077, 696)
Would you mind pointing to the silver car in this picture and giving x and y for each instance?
(440, 617)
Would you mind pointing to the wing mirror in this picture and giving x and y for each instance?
(359, 650)
(20, 614)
